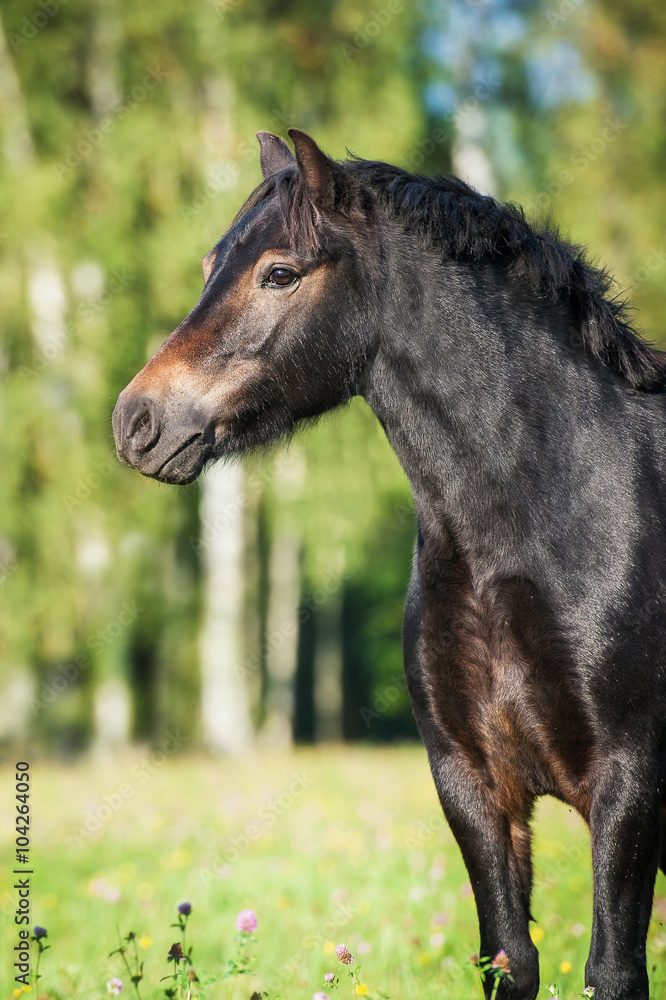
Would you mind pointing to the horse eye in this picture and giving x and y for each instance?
(281, 276)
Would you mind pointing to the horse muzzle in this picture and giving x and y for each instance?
(170, 448)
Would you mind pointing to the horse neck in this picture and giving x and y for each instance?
(477, 389)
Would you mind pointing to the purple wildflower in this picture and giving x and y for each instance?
(246, 922)
(501, 962)
(344, 954)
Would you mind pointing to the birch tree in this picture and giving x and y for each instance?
(225, 707)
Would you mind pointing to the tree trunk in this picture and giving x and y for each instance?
(284, 594)
(328, 693)
(471, 163)
(17, 145)
(112, 714)
(225, 703)
(282, 638)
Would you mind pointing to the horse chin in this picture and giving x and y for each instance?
(251, 431)
(185, 465)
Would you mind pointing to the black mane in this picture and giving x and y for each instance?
(462, 224)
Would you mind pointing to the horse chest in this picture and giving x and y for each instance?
(515, 719)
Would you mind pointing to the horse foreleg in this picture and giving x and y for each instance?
(496, 848)
(624, 823)
(497, 854)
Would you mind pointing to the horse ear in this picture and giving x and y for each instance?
(208, 263)
(319, 172)
(275, 154)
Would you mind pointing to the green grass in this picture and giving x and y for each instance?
(355, 853)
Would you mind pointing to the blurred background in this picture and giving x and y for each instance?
(263, 604)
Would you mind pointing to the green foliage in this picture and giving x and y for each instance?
(110, 196)
(128, 139)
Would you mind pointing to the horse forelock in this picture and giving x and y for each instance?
(300, 219)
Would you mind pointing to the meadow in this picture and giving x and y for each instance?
(329, 845)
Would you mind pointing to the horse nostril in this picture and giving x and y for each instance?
(143, 429)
